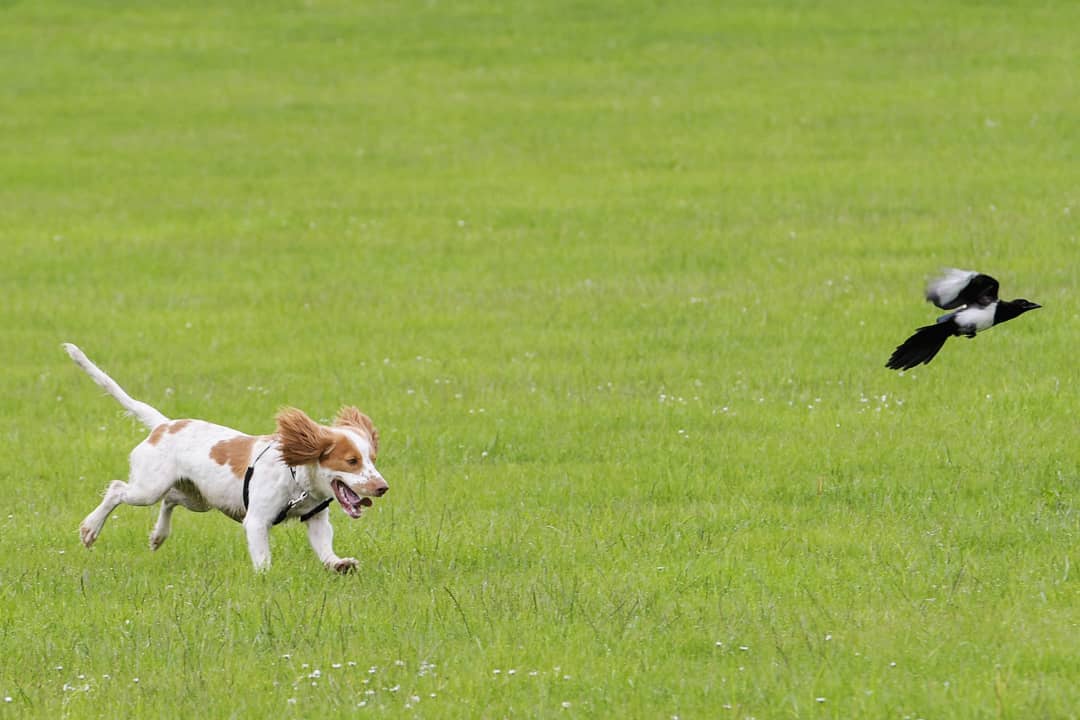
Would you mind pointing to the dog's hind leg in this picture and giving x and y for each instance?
(144, 489)
(92, 524)
(163, 526)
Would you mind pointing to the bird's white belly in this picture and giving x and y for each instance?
(977, 318)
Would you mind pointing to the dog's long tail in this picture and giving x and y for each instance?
(145, 414)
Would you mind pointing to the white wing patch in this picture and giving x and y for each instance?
(944, 290)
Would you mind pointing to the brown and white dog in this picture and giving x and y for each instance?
(258, 480)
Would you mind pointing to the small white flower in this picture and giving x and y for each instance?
(820, 699)
(566, 704)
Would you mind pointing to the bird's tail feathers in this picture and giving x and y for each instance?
(921, 347)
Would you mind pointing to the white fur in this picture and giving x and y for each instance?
(145, 414)
(177, 469)
(944, 290)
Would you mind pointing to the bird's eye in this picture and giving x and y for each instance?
(352, 461)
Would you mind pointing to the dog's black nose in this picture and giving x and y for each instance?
(382, 491)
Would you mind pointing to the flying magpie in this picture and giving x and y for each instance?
(973, 298)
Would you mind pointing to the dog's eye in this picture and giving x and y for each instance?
(352, 461)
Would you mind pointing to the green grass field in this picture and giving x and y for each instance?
(617, 283)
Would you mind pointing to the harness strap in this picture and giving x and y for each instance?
(316, 510)
(288, 506)
(251, 471)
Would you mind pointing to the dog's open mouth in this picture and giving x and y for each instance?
(351, 503)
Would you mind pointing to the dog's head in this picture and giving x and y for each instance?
(343, 454)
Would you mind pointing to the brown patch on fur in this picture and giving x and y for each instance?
(155, 436)
(167, 427)
(302, 439)
(350, 416)
(178, 425)
(236, 452)
(339, 455)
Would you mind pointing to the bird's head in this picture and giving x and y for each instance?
(1024, 305)
(1008, 309)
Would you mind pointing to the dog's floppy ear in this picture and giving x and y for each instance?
(302, 439)
(350, 416)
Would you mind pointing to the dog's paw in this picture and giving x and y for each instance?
(156, 540)
(343, 565)
(88, 534)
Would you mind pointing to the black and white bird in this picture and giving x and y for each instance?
(973, 298)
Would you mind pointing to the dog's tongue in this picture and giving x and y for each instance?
(351, 503)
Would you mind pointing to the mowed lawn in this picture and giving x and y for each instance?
(616, 282)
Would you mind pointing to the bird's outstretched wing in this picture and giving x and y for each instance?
(962, 287)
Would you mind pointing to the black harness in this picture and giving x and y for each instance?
(288, 506)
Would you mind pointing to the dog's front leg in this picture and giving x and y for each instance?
(258, 539)
(321, 536)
